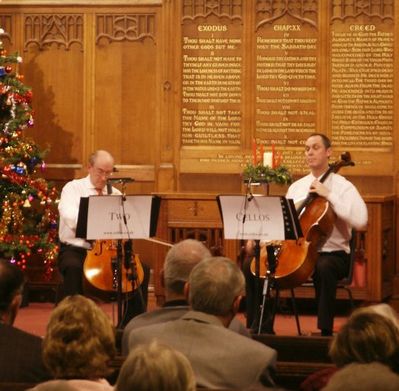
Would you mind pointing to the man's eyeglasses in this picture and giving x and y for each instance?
(103, 173)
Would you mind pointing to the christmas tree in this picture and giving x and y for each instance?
(28, 219)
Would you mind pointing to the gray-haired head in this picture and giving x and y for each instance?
(102, 155)
(179, 262)
(214, 285)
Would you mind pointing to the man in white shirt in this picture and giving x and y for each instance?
(73, 250)
(351, 212)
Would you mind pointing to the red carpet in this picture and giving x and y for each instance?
(34, 318)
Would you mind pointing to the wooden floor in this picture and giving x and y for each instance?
(34, 318)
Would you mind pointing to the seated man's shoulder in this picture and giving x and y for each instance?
(159, 315)
(257, 346)
(146, 333)
(12, 334)
(21, 356)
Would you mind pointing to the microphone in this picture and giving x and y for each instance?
(120, 180)
(109, 188)
(250, 196)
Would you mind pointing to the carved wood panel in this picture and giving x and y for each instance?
(61, 30)
(127, 27)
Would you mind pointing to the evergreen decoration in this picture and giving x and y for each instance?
(265, 174)
(28, 219)
(266, 167)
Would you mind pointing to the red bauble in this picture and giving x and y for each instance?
(8, 68)
(28, 96)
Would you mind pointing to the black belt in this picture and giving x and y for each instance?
(340, 253)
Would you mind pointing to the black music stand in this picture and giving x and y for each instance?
(118, 217)
(260, 218)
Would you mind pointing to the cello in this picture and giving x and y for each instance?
(296, 259)
(100, 268)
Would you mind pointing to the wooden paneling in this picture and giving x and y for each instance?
(95, 77)
(61, 128)
(198, 214)
(109, 74)
(126, 94)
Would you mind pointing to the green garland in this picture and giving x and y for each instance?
(264, 174)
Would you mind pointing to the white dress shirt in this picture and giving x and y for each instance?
(346, 202)
(69, 209)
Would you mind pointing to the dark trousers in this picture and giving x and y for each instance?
(254, 290)
(330, 268)
(70, 264)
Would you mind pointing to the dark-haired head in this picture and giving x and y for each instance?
(326, 141)
(11, 285)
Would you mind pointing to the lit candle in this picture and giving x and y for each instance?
(273, 157)
(261, 150)
(268, 159)
(278, 158)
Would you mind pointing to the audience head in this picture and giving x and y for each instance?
(79, 340)
(385, 310)
(366, 377)
(11, 287)
(155, 367)
(215, 286)
(367, 337)
(179, 262)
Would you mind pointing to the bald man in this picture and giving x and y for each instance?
(73, 250)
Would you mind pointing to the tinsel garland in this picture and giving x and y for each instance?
(28, 218)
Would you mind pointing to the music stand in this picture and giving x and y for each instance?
(117, 217)
(260, 218)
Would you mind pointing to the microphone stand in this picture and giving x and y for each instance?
(268, 284)
(121, 250)
(133, 277)
(269, 279)
(119, 298)
(129, 261)
(248, 198)
(116, 265)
